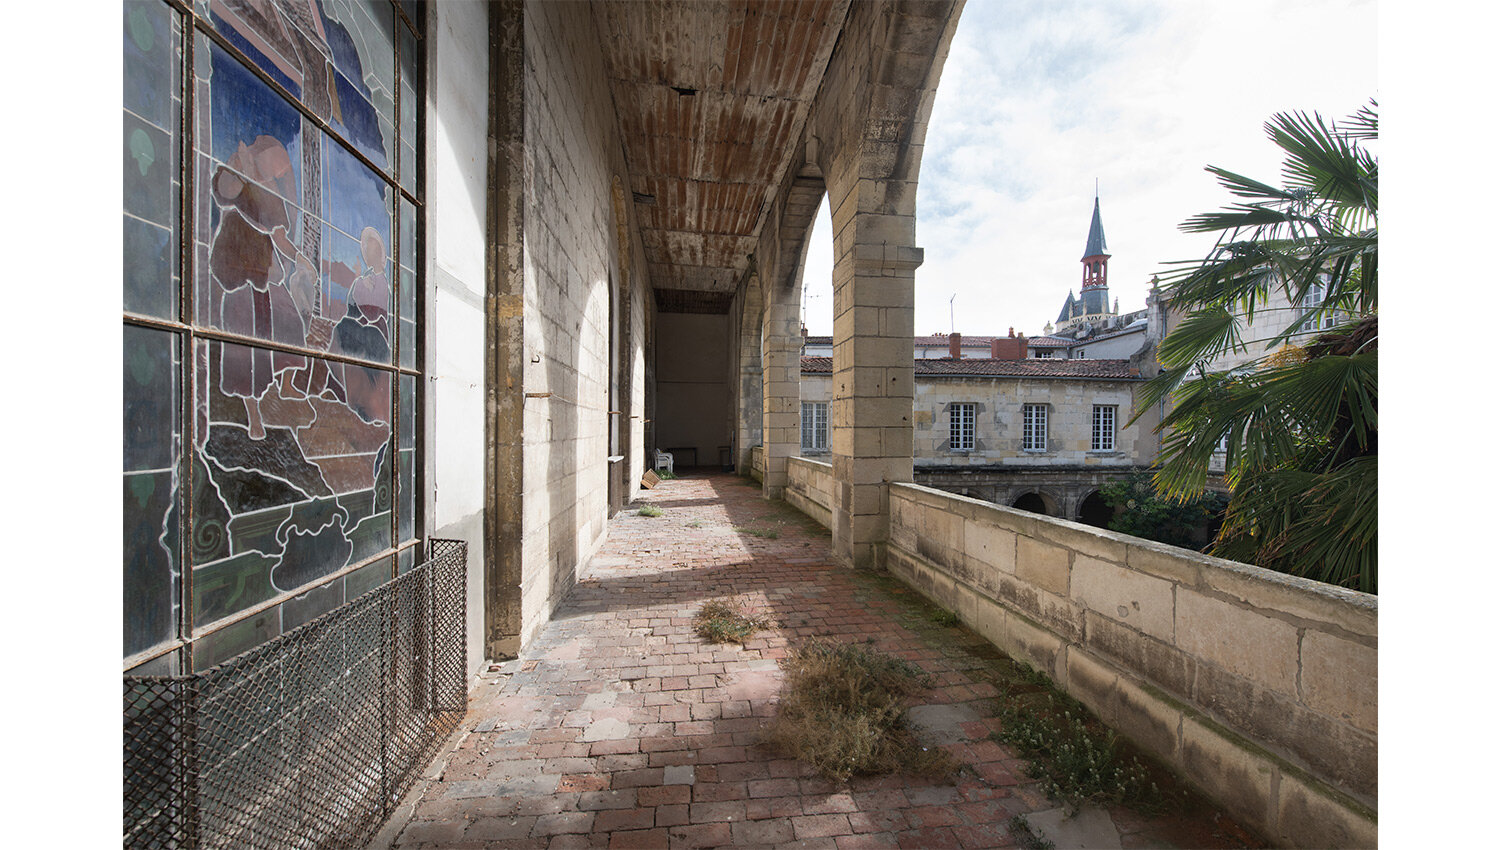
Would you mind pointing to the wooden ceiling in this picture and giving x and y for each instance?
(711, 98)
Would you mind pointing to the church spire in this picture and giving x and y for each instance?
(1095, 294)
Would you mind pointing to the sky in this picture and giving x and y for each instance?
(1038, 100)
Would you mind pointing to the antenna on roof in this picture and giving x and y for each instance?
(952, 328)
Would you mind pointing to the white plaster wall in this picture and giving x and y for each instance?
(457, 124)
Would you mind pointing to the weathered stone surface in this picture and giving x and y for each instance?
(1340, 679)
(1241, 641)
(1308, 817)
(1140, 601)
(1239, 779)
(1042, 564)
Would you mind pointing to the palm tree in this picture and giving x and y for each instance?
(1299, 417)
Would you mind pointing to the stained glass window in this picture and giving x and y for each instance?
(272, 387)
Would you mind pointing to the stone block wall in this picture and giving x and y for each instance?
(1258, 687)
(572, 155)
(810, 488)
(758, 463)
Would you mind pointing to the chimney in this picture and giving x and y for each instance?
(1008, 348)
(954, 340)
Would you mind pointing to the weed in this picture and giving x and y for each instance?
(697, 523)
(943, 618)
(650, 510)
(720, 622)
(767, 533)
(842, 712)
(665, 474)
(1026, 837)
(1076, 758)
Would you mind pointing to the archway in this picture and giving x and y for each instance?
(1095, 511)
(1035, 502)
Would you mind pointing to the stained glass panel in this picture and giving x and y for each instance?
(151, 445)
(294, 464)
(292, 452)
(366, 579)
(410, 106)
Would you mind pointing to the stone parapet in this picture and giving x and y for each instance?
(1257, 686)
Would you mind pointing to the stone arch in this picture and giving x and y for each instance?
(1036, 501)
(1093, 510)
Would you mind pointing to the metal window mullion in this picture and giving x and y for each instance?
(187, 377)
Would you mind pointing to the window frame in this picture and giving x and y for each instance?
(963, 427)
(1102, 437)
(814, 426)
(1031, 441)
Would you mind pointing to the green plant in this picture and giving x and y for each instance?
(650, 511)
(944, 617)
(842, 711)
(1026, 836)
(1146, 513)
(719, 622)
(1300, 421)
(1075, 758)
(767, 533)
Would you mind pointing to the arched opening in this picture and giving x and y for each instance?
(1095, 511)
(1034, 502)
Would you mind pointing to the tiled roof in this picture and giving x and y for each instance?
(1048, 342)
(1030, 368)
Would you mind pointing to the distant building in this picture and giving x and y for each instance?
(1043, 435)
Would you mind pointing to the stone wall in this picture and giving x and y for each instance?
(758, 463)
(572, 155)
(1258, 687)
(810, 488)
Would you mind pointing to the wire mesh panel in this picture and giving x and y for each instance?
(309, 740)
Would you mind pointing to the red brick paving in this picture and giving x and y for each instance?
(620, 727)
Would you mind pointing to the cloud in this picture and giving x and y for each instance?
(1039, 99)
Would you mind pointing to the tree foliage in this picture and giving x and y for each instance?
(1299, 417)
(1144, 512)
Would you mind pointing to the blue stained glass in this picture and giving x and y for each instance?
(311, 605)
(246, 114)
(236, 638)
(407, 559)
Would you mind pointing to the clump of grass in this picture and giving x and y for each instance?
(842, 711)
(719, 622)
(1026, 836)
(665, 474)
(650, 510)
(943, 617)
(767, 533)
(1076, 759)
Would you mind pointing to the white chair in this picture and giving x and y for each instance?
(664, 460)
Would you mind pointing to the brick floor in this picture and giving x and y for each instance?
(620, 727)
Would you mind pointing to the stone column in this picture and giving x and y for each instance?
(781, 375)
(748, 389)
(873, 323)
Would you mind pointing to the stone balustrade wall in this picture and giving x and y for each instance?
(1258, 687)
(810, 488)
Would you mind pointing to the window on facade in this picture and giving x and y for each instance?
(961, 426)
(1312, 301)
(1034, 428)
(1103, 438)
(1043, 354)
(814, 426)
(271, 384)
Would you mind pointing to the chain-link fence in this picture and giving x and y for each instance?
(311, 739)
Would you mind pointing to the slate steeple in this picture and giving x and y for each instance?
(1095, 295)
